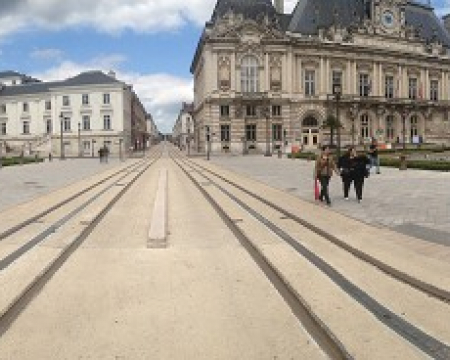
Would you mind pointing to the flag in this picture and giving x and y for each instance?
(316, 189)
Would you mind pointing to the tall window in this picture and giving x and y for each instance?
(276, 110)
(48, 126)
(86, 122)
(336, 79)
(48, 105)
(390, 127)
(249, 74)
(250, 110)
(277, 132)
(250, 132)
(66, 100)
(434, 90)
(364, 85)
(412, 88)
(310, 88)
(389, 87)
(86, 146)
(26, 127)
(25, 107)
(3, 128)
(414, 126)
(365, 126)
(106, 99)
(66, 122)
(224, 132)
(85, 99)
(106, 122)
(224, 111)
(3, 109)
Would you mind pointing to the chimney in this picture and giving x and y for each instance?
(112, 74)
(279, 6)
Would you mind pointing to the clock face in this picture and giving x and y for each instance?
(388, 19)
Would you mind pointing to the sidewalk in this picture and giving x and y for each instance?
(412, 202)
(25, 182)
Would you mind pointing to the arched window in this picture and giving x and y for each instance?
(249, 74)
(310, 122)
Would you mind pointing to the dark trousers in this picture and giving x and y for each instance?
(324, 182)
(359, 184)
(347, 182)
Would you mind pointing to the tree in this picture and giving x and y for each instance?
(332, 123)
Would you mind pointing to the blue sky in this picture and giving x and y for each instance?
(149, 43)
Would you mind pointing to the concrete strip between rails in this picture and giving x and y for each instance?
(157, 235)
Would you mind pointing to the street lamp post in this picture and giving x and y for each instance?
(353, 113)
(79, 140)
(337, 91)
(267, 116)
(403, 165)
(61, 118)
(120, 149)
(93, 146)
(189, 137)
(208, 142)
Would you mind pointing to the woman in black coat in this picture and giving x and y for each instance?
(353, 169)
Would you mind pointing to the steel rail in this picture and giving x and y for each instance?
(324, 337)
(417, 337)
(13, 311)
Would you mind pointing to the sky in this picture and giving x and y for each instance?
(148, 43)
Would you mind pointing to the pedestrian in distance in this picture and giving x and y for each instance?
(361, 172)
(347, 165)
(373, 155)
(325, 166)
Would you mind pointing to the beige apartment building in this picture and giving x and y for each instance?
(265, 80)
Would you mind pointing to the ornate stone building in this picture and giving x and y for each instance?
(264, 79)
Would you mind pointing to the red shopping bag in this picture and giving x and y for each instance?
(316, 189)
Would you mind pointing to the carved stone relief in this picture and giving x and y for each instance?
(275, 64)
(224, 66)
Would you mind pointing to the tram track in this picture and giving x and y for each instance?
(116, 190)
(415, 335)
(318, 329)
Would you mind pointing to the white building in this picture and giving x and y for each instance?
(184, 130)
(84, 113)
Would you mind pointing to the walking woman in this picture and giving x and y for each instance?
(325, 166)
(360, 173)
(347, 165)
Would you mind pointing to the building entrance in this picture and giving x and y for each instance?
(310, 133)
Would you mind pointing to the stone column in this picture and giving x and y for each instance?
(348, 85)
(321, 77)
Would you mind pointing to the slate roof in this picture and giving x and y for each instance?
(9, 73)
(83, 79)
(309, 15)
(249, 8)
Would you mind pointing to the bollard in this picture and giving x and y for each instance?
(403, 164)
(280, 154)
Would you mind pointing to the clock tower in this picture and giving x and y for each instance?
(389, 15)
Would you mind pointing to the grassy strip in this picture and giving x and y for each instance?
(393, 162)
(18, 161)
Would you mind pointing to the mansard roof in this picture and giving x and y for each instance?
(310, 15)
(83, 79)
(249, 8)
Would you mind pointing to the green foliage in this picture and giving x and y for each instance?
(18, 161)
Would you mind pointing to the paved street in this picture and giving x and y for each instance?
(414, 202)
(22, 183)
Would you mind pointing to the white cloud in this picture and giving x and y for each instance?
(47, 54)
(161, 94)
(106, 15)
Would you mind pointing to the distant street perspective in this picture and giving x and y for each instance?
(225, 179)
